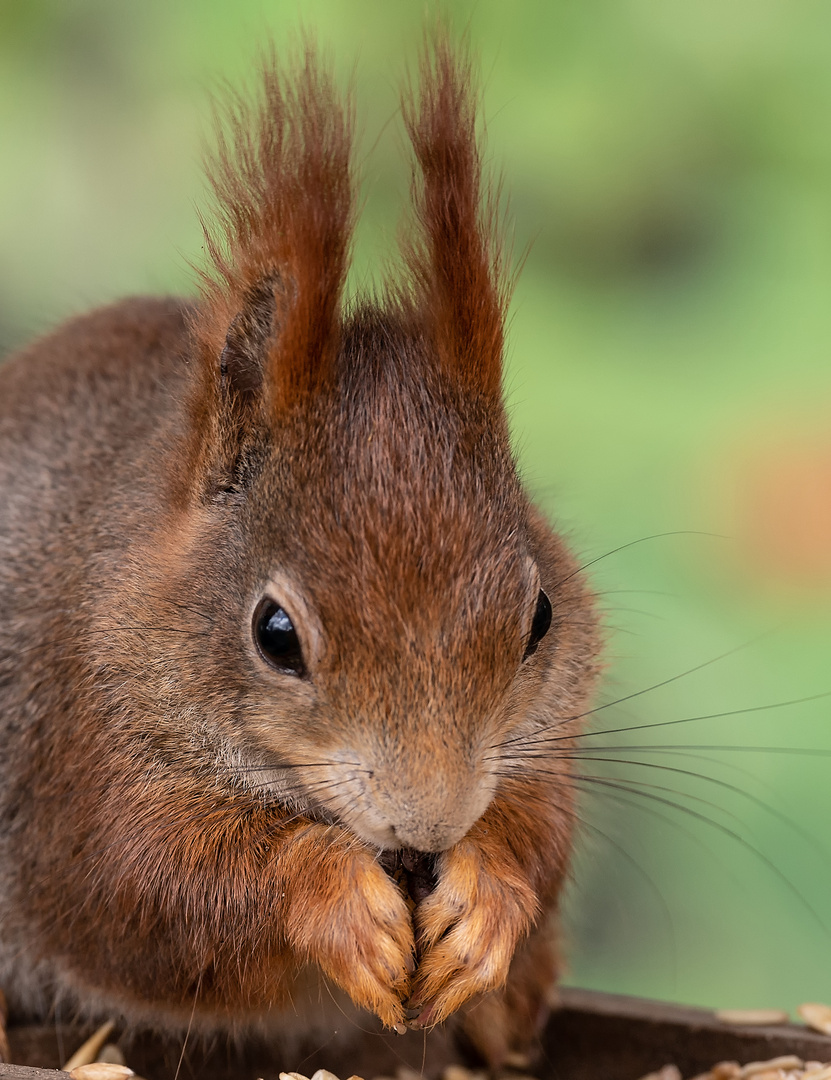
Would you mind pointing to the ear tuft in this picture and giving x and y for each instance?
(281, 176)
(454, 250)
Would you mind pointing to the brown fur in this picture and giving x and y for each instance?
(184, 831)
(455, 256)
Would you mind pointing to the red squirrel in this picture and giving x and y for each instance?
(278, 611)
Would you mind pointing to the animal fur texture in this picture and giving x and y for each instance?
(187, 833)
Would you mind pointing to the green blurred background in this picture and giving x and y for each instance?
(670, 165)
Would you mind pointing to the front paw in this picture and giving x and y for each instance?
(348, 917)
(468, 929)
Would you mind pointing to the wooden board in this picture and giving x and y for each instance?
(596, 1036)
(592, 1036)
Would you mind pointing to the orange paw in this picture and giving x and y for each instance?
(357, 927)
(504, 1026)
(468, 929)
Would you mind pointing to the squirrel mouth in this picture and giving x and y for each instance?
(415, 871)
(278, 786)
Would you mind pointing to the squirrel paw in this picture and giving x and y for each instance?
(359, 930)
(467, 930)
(504, 1027)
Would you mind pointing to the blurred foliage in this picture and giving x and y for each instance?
(669, 170)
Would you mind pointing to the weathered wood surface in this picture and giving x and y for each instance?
(592, 1036)
(23, 1072)
(598, 1036)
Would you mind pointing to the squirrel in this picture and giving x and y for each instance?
(279, 614)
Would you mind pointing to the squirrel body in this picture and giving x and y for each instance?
(275, 603)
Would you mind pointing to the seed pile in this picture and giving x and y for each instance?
(451, 1072)
(321, 1074)
(788, 1067)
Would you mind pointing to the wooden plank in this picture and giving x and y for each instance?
(592, 1036)
(23, 1072)
(596, 1036)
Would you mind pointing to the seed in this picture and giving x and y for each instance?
(88, 1051)
(516, 1060)
(752, 1017)
(758, 1068)
(816, 1016)
(100, 1070)
(457, 1072)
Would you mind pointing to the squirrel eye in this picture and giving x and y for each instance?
(277, 639)
(539, 625)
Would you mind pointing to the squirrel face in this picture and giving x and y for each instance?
(384, 574)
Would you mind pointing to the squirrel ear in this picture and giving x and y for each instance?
(269, 321)
(454, 250)
(243, 357)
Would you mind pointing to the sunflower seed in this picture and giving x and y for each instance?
(87, 1052)
(100, 1070)
(752, 1017)
(816, 1016)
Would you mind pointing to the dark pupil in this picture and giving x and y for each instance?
(277, 638)
(540, 624)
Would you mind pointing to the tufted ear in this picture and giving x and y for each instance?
(454, 250)
(268, 327)
(250, 337)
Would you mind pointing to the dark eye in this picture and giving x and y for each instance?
(540, 624)
(277, 639)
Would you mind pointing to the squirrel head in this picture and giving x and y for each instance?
(350, 524)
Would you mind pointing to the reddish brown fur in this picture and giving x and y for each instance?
(282, 179)
(186, 833)
(455, 256)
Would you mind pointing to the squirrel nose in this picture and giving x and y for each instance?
(427, 810)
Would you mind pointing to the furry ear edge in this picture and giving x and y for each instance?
(454, 249)
(280, 237)
(244, 356)
(266, 333)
